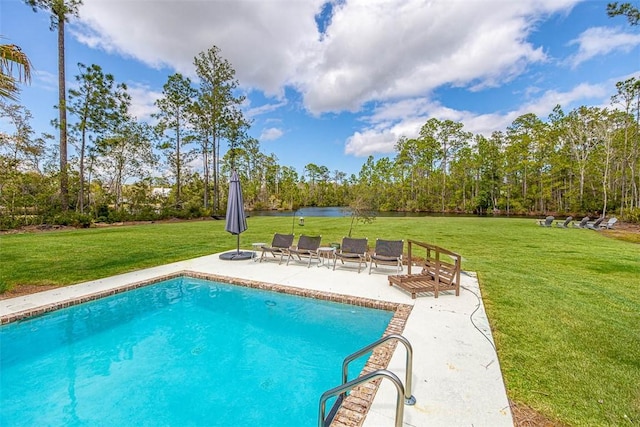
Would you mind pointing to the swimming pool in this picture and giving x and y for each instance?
(181, 352)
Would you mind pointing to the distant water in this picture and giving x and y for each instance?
(341, 211)
(330, 211)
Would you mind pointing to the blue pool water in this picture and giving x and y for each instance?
(184, 352)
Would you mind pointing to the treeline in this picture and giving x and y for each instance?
(580, 162)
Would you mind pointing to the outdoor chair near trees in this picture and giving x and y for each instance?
(565, 223)
(595, 225)
(387, 252)
(307, 248)
(352, 250)
(279, 244)
(609, 224)
(547, 222)
(583, 222)
(440, 271)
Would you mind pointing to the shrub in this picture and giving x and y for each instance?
(146, 213)
(117, 216)
(73, 219)
(82, 220)
(65, 218)
(9, 223)
(194, 211)
(631, 215)
(260, 206)
(102, 211)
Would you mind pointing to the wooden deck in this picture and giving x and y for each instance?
(440, 271)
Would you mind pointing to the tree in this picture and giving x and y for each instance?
(405, 161)
(603, 132)
(416, 160)
(289, 191)
(12, 56)
(201, 126)
(582, 138)
(272, 178)
(92, 102)
(629, 97)
(451, 138)
(126, 154)
(491, 170)
(23, 187)
(236, 135)
(244, 156)
(361, 211)
(527, 157)
(176, 108)
(217, 105)
(124, 151)
(60, 11)
(13, 146)
(318, 177)
(464, 171)
(626, 9)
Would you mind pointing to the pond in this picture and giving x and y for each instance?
(337, 211)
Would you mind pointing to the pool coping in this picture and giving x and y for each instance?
(355, 406)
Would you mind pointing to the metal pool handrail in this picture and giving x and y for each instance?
(408, 398)
(363, 379)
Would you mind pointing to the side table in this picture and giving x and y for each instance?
(325, 254)
(256, 248)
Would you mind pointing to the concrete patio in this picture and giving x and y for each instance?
(456, 374)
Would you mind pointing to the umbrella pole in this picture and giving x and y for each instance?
(238, 247)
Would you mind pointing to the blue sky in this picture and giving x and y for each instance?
(331, 83)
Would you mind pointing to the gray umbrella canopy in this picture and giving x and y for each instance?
(236, 221)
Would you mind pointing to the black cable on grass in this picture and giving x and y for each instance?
(485, 335)
(474, 312)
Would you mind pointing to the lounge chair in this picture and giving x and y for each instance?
(595, 225)
(583, 223)
(307, 248)
(609, 224)
(354, 250)
(279, 244)
(565, 223)
(547, 222)
(387, 252)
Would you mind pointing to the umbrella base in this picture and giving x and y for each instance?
(236, 255)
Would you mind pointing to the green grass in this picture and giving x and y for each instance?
(564, 305)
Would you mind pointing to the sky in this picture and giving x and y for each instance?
(333, 82)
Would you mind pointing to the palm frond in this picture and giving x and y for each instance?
(12, 56)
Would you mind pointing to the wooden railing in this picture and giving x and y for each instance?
(440, 271)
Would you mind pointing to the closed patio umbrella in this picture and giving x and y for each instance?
(236, 221)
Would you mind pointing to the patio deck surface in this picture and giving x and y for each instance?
(456, 374)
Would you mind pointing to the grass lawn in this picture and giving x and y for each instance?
(564, 305)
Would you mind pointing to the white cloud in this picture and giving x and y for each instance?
(142, 101)
(371, 51)
(270, 134)
(387, 54)
(46, 80)
(260, 39)
(251, 112)
(385, 51)
(391, 121)
(601, 41)
(370, 142)
(578, 95)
